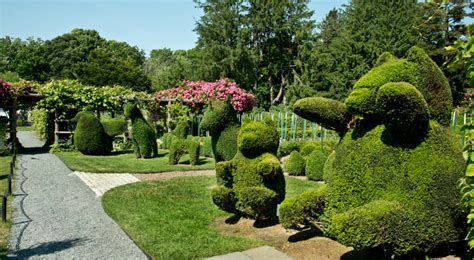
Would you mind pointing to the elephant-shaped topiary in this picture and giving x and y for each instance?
(220, 119)
(252, 183)
(90, 137)
(143, 135)
(392, 182)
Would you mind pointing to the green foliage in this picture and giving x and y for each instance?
(295, 165)
(328, 167)
(177, 149)
(329, 113)
(252, 183)
(414, 70)
(39, 118)
(207, 147)
(167, 138)
(113, 126)
(315, 164)
(423, 179)
(143, 135)
(193, 149)
(405, 110)
(256, 138)
(303, 210)
(308, 147)
(286, 147)
(220, 119)
(181, 130)
(89, 135)
(3, 138)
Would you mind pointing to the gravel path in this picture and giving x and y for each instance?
(56, 216)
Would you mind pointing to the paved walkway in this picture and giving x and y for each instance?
(56, 216)
(99, 183)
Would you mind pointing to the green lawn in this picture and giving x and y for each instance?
(171, 219)
(127, 163)
(4, 227)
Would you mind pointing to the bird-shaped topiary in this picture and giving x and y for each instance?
(90, 137)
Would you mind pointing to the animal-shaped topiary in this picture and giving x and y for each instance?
(143, 135)
(393, 180)
(90, 137)
(220, 119)
(252, 183)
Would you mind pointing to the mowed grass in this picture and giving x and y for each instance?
(171, 219)
(4, 227)
(127, 163)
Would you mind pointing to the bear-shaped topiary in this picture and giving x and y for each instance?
(90, 137)
(392, 185)
(220, 119)
(252, 183)
(143, 135)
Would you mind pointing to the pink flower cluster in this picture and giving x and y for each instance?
(8, 91)
(203, 92)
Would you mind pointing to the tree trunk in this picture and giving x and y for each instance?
(281, 92)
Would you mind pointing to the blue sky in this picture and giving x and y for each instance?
(148, 24)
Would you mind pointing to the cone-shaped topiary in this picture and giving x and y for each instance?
(295, 164)
(89, 136)
(143, 135)
(220, 119)
(252, 183)
(392, 182)
(315, 165)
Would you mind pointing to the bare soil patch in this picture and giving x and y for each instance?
(306, 244)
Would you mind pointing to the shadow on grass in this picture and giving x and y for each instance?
(47, 248)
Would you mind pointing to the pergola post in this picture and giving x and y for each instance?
(13, 118)
(56, 127)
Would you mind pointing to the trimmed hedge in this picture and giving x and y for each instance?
(193, 149)
(315, 165)
(303, 210)
(422, 179)
(89, 136)
(220, 119)
(167, 138)
(114, 126)
(328, 167)
(405, 111)
(143, 135)
(177, 150)
(252, 183)
(329, 113)
(295, 165)
(308, 147)
(286, 147)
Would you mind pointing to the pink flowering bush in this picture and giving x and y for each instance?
(7, 91)
(204, 92)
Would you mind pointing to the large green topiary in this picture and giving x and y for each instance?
(143, 135)
(295, 164)
(392, 182)
(220, 119)
(90, 137)
(252, 183)
(113, 126)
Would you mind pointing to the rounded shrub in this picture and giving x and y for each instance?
(194, 149)
(286, 147)
(182, 129)
(308, 147)
(166, 139)
(295, 165)
(315, 165)
(177, 149)
(89, 136)
(224, 144)
(256, 139)
(305, 209)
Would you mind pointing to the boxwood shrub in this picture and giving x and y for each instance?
(295, 165)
